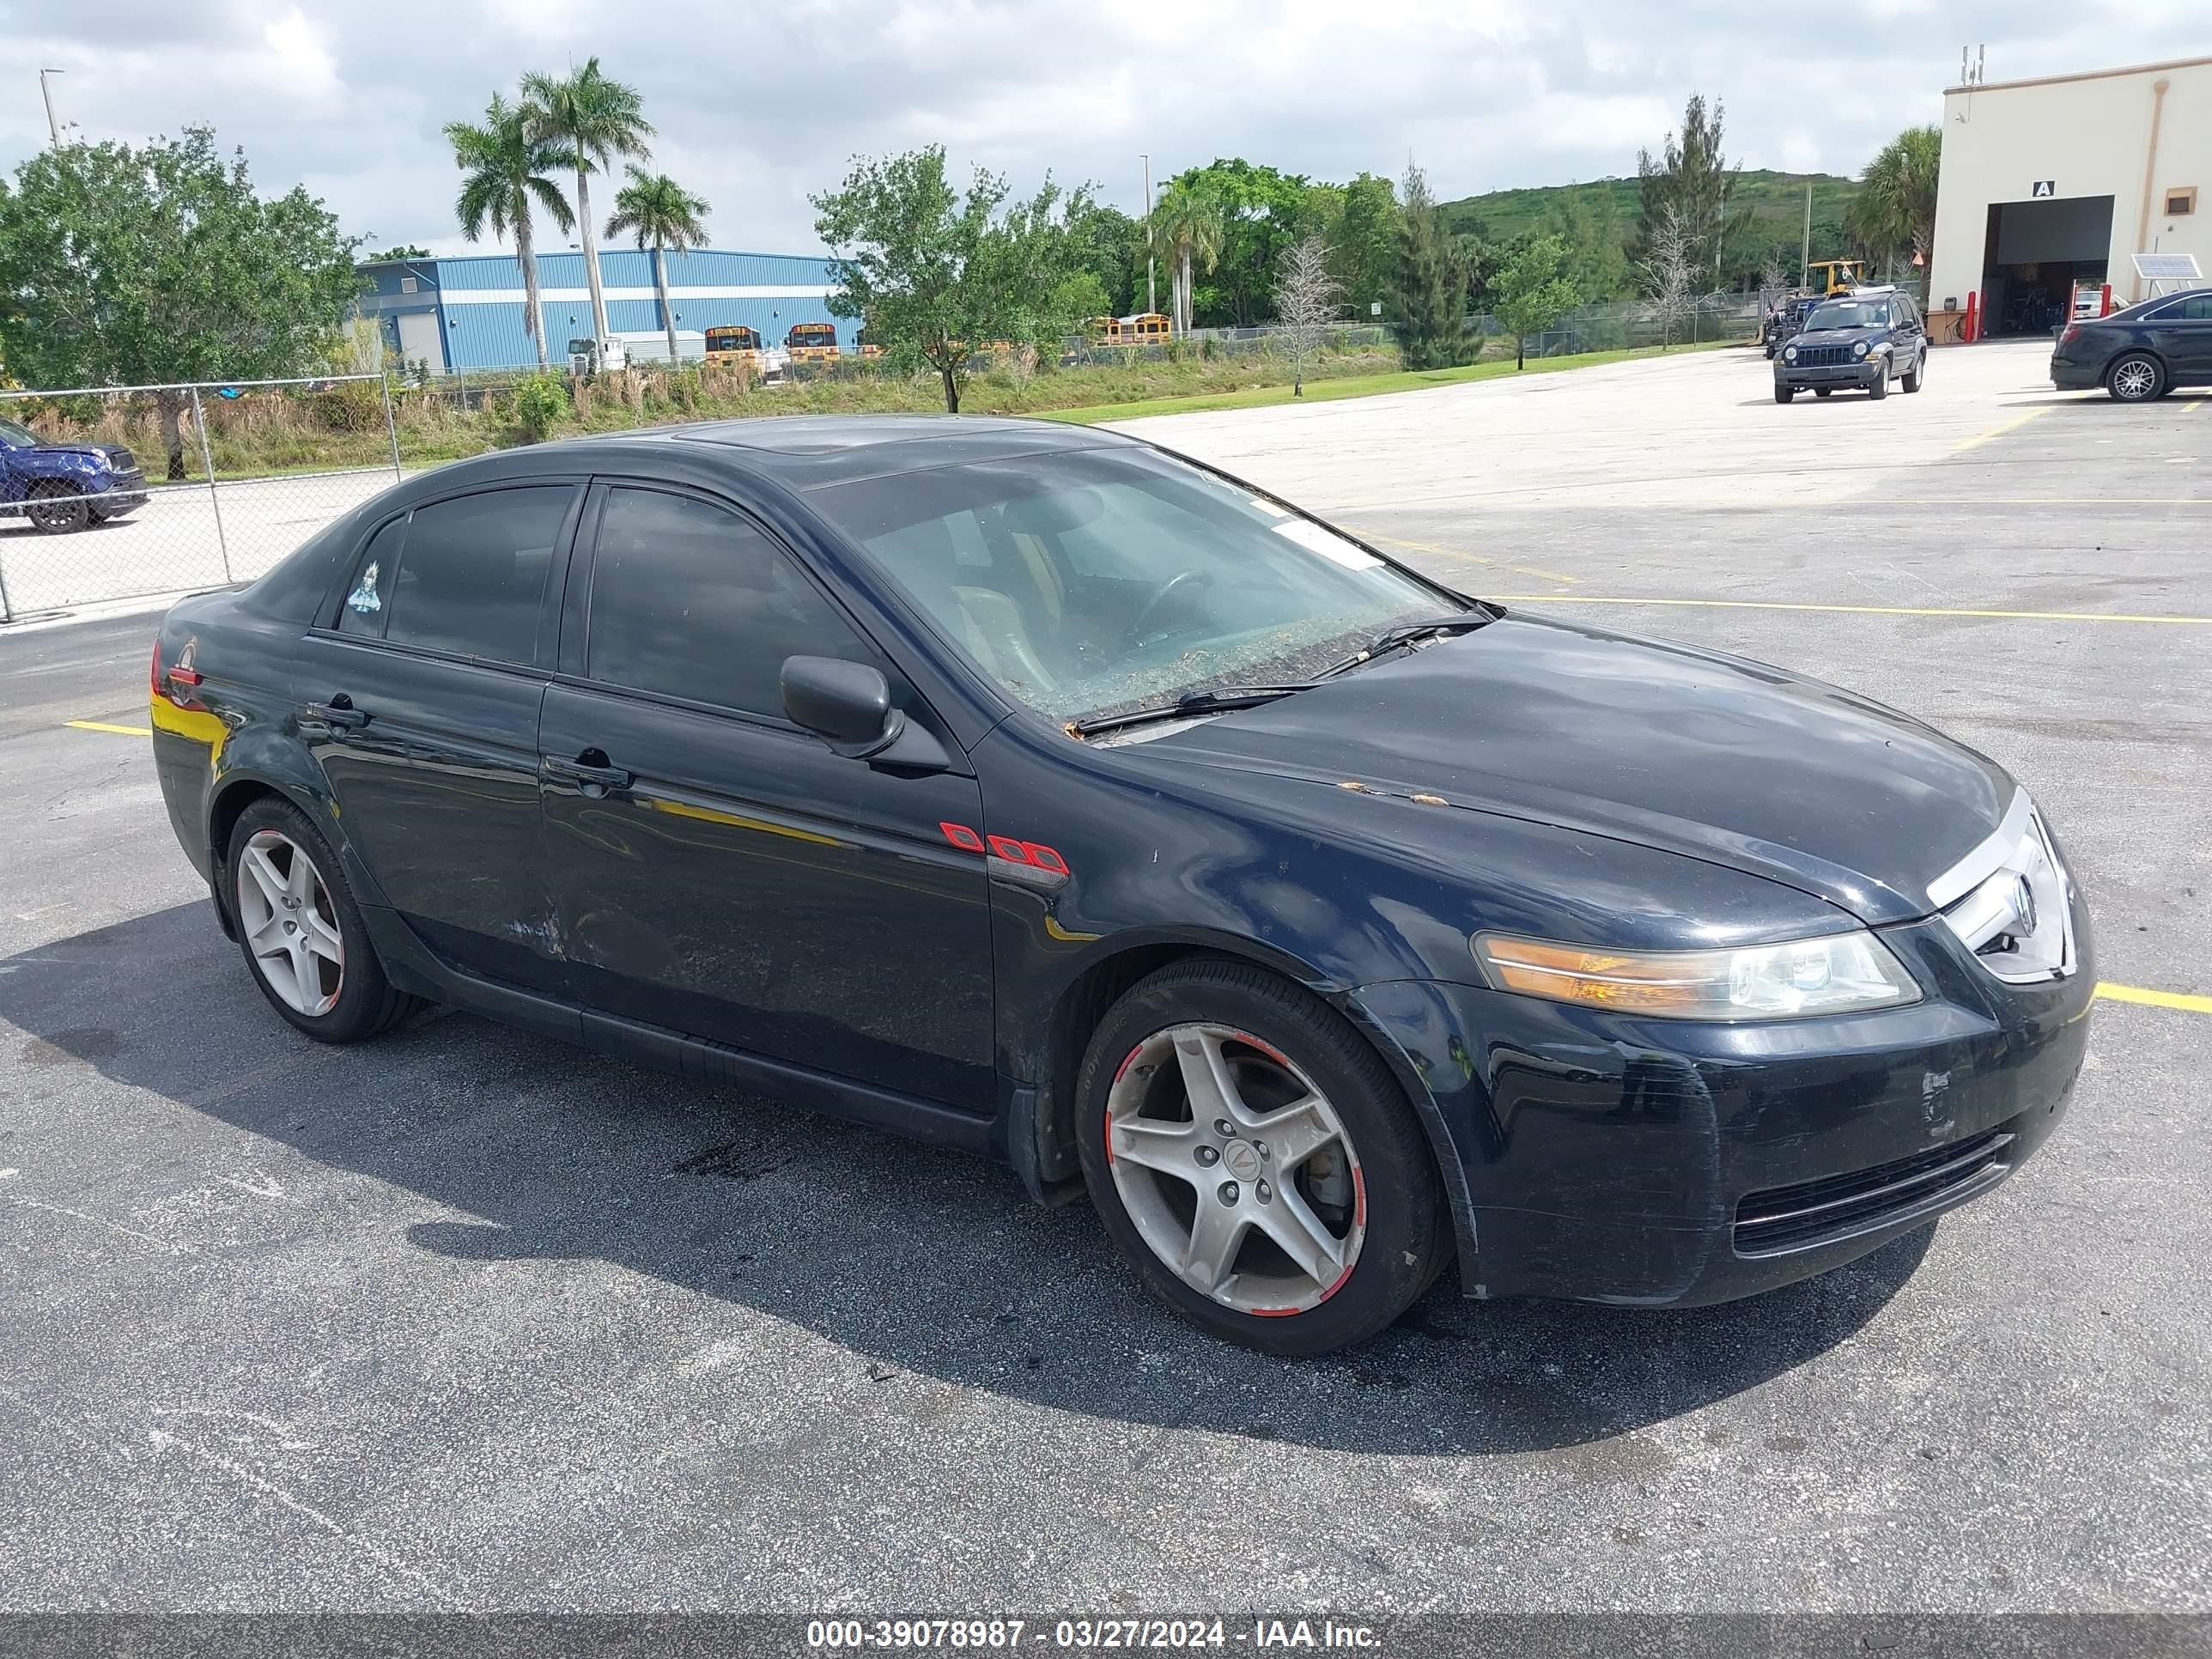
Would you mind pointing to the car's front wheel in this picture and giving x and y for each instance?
(2135, 379)
(1783, 394)
(301, 932)
(57, 508)
(1256, 1162)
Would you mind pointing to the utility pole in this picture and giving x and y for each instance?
(53, 127)
(1150, 297)
(1805, 266)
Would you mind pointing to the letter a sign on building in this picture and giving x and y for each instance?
(2043, 187)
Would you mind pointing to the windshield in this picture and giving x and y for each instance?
(17, 437)
(1095, 581)
(1851, 313)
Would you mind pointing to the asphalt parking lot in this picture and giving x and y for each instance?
(465, 1318)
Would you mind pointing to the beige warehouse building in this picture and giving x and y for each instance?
(2059, 179)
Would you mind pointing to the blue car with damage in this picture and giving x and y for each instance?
(64, 486)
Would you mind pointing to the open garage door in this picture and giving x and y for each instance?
(2035, 253)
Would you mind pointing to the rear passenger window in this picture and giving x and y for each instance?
(691, 600)
(368, 596)
(472, 574)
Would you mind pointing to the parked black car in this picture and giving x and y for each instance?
(1861, 340)
(2139, 353)
(1786, 321)
(1034, 791)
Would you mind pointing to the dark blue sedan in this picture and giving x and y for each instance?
(1031, 790)
(2140, 353)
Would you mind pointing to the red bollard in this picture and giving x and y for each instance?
(1972, 329)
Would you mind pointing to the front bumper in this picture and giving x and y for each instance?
(122, 493)
(1656, 1162)
(1800, 377)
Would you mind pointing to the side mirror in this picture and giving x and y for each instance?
(848, 706)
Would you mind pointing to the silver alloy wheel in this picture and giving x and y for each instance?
(1235, 1168)
(2134, 381)
(290, 923)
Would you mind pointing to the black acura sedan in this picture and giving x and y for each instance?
(2140, 352)
(1032, 790)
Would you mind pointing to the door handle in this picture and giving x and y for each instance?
(338, 712)
(590, 772)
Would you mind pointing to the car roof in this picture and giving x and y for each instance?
(811, 451)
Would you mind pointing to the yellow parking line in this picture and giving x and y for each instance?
(1997, 431)
(1456, 553)
(119, 730)
(2182, 1000)
(1853, 610)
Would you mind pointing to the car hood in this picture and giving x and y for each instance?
(91, 452)
(1666, 745)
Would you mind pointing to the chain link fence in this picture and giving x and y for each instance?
(123, 492)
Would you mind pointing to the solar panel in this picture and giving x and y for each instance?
(2166, 267)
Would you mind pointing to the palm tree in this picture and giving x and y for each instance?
(1895, 207)
(1187, 219)
(598, 119)
(664, 217)
(504, 171)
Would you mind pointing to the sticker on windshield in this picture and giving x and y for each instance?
(1327, 543)
(363, 598)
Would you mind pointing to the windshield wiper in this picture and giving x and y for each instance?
(1191, 703)
(1406, 634)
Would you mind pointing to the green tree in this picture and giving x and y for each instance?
(1691, 174)
(1110, 245)
(1597, 261)
(1426, 305)
(1187, 222)
(595, 119)
(1262, 211)
(1533, 291)
(123, 266)
(936, 271)
(504, 172)
(390, 255)
(1363, 254)
(664, 217)
(1894, 211)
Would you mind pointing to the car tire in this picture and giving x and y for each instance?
(1912, 375)
(1210, 1221)
(1822, 390)
(1783, 394)
(1878, 387)
(2136, 377)
(56, 509)
(302, 933)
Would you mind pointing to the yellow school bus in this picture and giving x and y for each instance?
(811, 342)
(734, 343)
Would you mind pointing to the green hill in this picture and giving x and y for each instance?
(1776, 202)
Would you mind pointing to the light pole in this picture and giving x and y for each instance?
(1151, 299)
(53, 127)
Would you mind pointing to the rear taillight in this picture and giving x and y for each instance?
(165, 682)
(2071, 329)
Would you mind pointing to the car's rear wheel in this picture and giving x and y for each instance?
(56, 509)
(2135, 379)
(301, 932)
(1256, 1161)
(1912, 375)
(1783, 394)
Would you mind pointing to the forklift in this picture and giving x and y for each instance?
(1831, 277)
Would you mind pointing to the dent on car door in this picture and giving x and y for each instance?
(422, 706)
(716, 871)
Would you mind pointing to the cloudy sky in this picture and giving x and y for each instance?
(759, 104)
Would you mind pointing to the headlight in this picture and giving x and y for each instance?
(1790, 354)
(1842, 973)
(1860, 350)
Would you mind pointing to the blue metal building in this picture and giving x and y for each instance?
(466, 313)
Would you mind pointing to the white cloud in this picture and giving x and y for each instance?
(759, 107)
